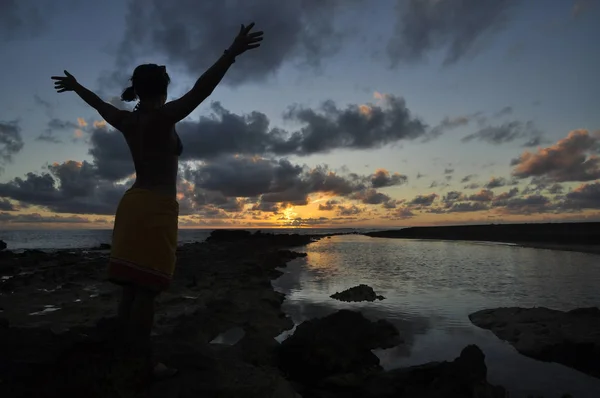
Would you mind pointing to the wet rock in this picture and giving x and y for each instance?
(338, 343)
(570, 338)
(463, 377)
(357, 293)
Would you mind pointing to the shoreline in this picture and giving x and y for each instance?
(57, 318)
(576, 237)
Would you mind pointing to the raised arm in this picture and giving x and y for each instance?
(179, 109)
(110, 113)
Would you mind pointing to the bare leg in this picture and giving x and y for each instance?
(141, 319)
(125, 304)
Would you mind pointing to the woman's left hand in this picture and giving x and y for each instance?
(65, 83)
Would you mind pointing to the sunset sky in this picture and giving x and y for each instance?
(374, 113)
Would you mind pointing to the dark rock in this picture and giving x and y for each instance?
(228, 235)
(3, 245)
(463, 377)
(338, 343)
(570, 338)
(102, 246)
(357, 293)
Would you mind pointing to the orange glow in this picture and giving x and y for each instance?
(81, 122)
(78, 133)
(100, 124)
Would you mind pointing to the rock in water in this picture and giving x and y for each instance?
(357, 293)
(570, 338)
(3, 245)
(339, 343)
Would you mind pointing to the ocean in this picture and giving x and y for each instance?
(430, 287)
(53, 239)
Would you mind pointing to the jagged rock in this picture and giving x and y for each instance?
(338, 343)
(3, 245)
(357, 293)
(570, 338)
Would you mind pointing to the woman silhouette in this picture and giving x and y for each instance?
(145, 229)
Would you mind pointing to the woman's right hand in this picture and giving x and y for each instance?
(245, 40)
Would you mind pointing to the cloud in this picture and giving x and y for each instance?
(468, 178)
(54, 125)
(457, 27)
(465, 207)
(382, 178)
(586, 196)
(69, 187)
(531, 204)
(111, 156)
(11, 141)
(505, 133)
(193, 34)
(329, 205)
(325, 129)
(485, 195)
(36, 218)
(496, 183)
(6, 205)
(507, 110)
(424, 200)
(448, 171)
(574, 158)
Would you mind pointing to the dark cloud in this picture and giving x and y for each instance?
(449, 123)
(448, 171)
(531, 204)
(455, 26)
(468, 178)
(586, 196)
(574, 158)
(371, 197)
(473, 185)
(6, 205)
(498, 199)
(11, 141)
(496, 183)
(326, 129)
(54, 125)
(485, 195)
(352, 210)
(69, 187)
(424, 200)
(382, 178)
(111, 156)
(556, 189)
(419, 176)
(401, 213)
(328, 206)
(505, 133)
(193, 34)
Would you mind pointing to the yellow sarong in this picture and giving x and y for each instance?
(144, 239)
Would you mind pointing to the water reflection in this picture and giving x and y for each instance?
(432, 286)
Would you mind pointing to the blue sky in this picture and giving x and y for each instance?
(539, 62)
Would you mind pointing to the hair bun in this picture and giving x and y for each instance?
(129, 94)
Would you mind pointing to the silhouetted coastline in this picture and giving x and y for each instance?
(581, 236)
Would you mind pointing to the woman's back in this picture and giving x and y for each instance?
(155, 148)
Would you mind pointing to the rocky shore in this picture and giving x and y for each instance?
(571, 338)
(56, 332)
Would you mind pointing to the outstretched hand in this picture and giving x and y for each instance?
(245, 40)
(64, 83)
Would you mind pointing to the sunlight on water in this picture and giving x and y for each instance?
(432, 286)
